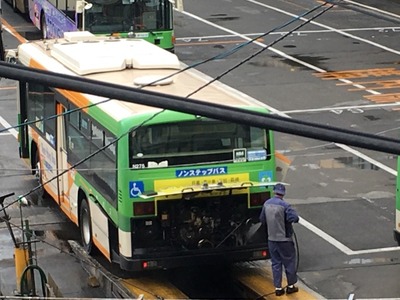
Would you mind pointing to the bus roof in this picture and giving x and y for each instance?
(128, 62)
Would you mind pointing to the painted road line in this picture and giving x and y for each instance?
(372, 161)
(205, 42)
(299, 33)
(331, 240)
(393, 98)
(384, 12)
(362, 73)
(7, 125)
(339, 31)
(365, 74)
(345, 108)
(379, 85)
(343, 248)
(13, 31)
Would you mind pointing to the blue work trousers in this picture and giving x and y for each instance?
(283, 254)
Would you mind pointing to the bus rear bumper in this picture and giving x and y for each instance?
(183, 260)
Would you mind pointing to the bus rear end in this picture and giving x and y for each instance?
(196, 188)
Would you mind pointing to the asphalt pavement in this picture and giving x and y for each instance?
(372, 275)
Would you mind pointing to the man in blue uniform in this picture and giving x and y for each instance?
(278, 216)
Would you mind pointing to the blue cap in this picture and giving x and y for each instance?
(280, 189)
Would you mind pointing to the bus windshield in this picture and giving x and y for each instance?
(108, 16)
(196, 142)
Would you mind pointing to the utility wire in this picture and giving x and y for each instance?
(82, 160)
(54, 116)
(276, 123)
(114, 141)
(197, 107)
(207, 109)
(264, 48)
(237, 48)
(218, 56)
(216, 78)
(192, 66)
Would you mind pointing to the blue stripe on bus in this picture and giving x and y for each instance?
(180, 173)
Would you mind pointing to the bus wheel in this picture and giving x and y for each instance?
(43, 26)
(86, 227)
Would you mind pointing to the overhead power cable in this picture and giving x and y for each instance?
(218, 56)
(189, 67)
(198, 107)
(263, 48)
(250, 41)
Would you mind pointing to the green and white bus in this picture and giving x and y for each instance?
(170, 189)
(151, 20)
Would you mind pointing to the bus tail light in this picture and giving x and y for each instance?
(151, 264)
(259, 199)
(144, 208)
(260, 254)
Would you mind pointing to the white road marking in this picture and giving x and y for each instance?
(373, 8)
(341, 246)
(305, 223)
(300, 32)
(7, 125)
(339, 31)
(341, 108)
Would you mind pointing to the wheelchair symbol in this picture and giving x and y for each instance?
(136, 188)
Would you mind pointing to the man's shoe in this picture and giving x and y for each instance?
(279, 292)
(292, 289)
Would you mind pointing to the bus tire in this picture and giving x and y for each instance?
(43, 26)
(85, 226)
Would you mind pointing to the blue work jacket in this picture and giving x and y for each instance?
(278, 216)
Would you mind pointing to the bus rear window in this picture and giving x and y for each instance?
(193, 142)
